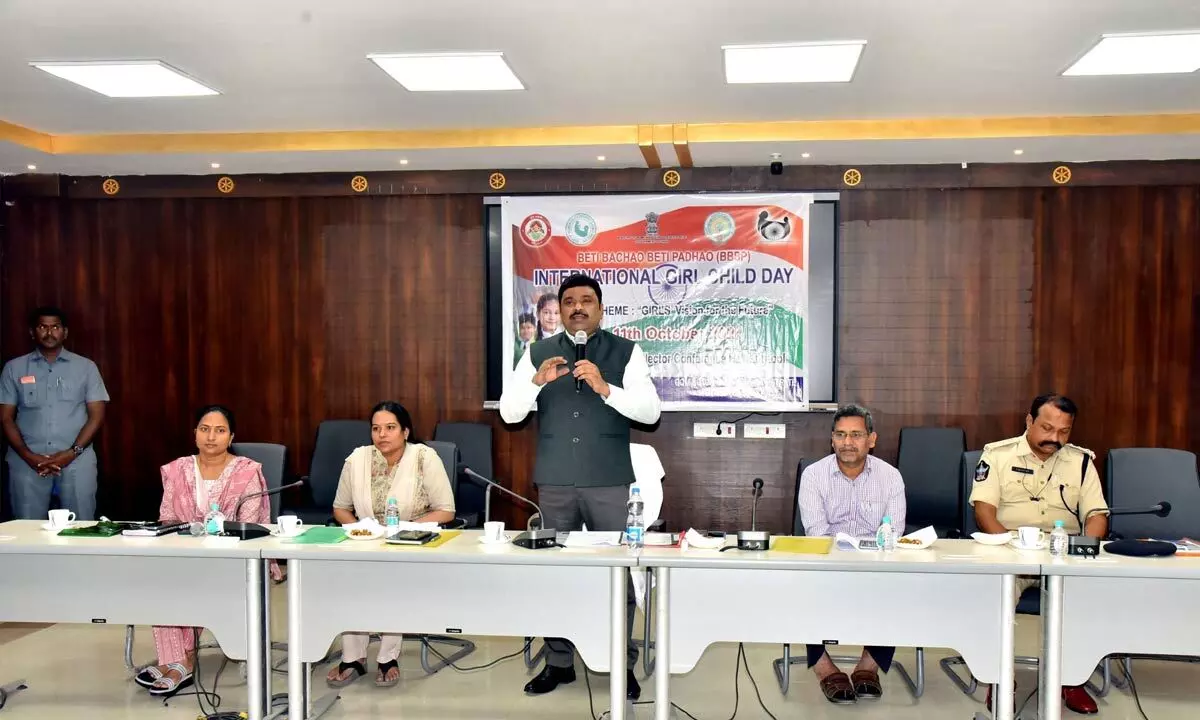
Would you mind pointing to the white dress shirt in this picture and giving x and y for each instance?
(636, 400)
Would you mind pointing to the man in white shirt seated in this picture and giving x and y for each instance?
(851, 491)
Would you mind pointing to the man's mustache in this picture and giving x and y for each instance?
(1054, 444)
(578, 315)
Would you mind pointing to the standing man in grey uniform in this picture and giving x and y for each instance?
(585, 408)
(51, 405)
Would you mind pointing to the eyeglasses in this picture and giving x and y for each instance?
(856, 435)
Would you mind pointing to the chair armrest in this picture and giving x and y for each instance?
(457, 523)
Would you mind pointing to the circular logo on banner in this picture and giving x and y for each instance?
(581, 229)
(719, 228)
(773, 230)
(535, 230)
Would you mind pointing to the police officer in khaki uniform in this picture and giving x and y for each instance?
(1035, 479)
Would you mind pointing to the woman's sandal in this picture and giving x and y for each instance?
(381, 678)
(342, 682)
(148, 676)
(166, 686)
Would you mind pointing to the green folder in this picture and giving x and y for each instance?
(100, 529)
(319, 536)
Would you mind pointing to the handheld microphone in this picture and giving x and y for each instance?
(1089, 546)
(250, 531)
(754, 539)
(530, 539)
(580, 340)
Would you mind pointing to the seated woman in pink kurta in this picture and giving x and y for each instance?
(190, 484)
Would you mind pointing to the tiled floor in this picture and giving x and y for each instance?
(76, 671)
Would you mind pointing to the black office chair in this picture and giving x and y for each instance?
(273, 459)
(783, 665)
(448, 453)
(929, 461)
(1030, 602)
(336, 439)
(474, 441)
(1139, 477)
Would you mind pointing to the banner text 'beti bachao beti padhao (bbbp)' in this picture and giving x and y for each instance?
(714, 288)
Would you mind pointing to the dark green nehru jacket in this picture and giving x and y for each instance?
(582, 441)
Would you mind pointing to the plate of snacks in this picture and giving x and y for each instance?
(364, 530)
(918, 540)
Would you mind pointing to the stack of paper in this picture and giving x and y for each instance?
(587, 538)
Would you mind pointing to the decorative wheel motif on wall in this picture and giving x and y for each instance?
(672, 178)
(110, 187)
(497, 181)
(852, 177)
(1061, 175)
(358, 183)
(225, 185)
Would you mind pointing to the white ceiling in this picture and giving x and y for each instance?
(289, 65)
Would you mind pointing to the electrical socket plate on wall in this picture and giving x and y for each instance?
(764, 431)
(709, 430)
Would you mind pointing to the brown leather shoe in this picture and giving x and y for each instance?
(866, 684)
(1077, 700)
(838, 689)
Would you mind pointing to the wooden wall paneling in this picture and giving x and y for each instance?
(955, 308)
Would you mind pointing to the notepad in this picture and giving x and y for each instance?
(803, 545)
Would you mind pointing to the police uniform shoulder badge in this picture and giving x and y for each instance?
(981, 471)
(1082, 450)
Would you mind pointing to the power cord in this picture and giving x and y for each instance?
(1026, 702)
(1133, 689)
(742, 654)
(497, 661)
(592, 707)
(739, 662)
(740, 418)
(214, 699)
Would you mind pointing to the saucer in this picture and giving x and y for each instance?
(283, 536)
(1016, 545)
(51, 528)
(488, 541)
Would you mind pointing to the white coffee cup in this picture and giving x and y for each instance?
(493, 531)
(1030, 536)
(289, 525)
(61, 518)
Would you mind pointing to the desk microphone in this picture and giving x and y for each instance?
(1088, 546)
(250, 531)
(580, 340)
(754, 539)
(530, 539)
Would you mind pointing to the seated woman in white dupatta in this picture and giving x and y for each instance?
(394, 466)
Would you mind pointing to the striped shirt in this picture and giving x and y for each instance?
(831, 503)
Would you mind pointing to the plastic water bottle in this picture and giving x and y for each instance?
(1058, 540)
(214, 521)
(635, 523)
(885, 536)
(392, 518)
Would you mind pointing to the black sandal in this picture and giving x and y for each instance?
(383, 669)
(341, 682)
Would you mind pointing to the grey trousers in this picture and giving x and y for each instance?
(31, 492)
(566, 507)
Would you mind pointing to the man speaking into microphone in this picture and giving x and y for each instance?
(589, 386)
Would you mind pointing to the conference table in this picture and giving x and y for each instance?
(956, 594)
(461, 587)
(214, 583)
(1094, 607)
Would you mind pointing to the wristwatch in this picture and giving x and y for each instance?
(78, 450)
